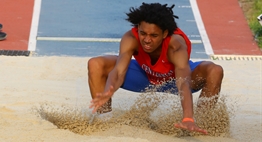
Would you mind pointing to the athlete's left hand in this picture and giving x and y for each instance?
(191, 126)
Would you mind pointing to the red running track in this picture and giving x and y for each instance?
(227, 28)
(16, 17)
(224, 22)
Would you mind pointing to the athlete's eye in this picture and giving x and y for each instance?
(142, 33)
(154, 35)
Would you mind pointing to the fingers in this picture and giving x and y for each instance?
(95, 105)
(190, 128)
(180, 125)
(95, 109)
(201, 131)
(97, 102)
(100, 99)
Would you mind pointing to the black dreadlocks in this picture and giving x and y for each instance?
(154, 13)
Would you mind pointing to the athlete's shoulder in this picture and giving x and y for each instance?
(176, 41)
(129, 35)
(129, 42)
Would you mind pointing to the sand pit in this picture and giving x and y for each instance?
(47, 99)
(144, 114)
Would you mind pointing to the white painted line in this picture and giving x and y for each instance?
(87, 39)
(34, 25)
(184, 6)
(195, 41)
(191, 20)
(194, 36)
(201, 52)
(236, 57)
(201, 28)
(80, 39)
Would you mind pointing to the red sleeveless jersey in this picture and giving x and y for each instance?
(162, 70)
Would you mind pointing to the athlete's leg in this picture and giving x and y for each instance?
(98, 70)
(136, 79)
(208, 77)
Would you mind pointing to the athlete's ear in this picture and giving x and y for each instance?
(165, 34)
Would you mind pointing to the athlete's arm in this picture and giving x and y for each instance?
(128, 46)
(116, 77)
(178, 55)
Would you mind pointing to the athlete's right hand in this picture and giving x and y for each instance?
(101, 98)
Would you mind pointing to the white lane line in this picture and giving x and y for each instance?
(201, 28)
(34, 25)
(191, 20)
(195, 41)
(201, 52)
(79, 39)
(184, 6)
(194, 36)
(87, 39)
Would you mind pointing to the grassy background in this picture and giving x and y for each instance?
(252, 9)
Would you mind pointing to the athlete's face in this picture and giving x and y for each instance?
(150, 36)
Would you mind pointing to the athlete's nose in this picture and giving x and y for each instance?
(147, 39)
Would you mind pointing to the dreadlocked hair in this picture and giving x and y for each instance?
(154, 13)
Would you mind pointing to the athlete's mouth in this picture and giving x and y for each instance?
(147, 47)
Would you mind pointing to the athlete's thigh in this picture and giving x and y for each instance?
(136, 79)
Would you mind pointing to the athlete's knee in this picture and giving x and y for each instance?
(215, 71)
(94, 65)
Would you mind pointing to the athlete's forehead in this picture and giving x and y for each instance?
(149, 28)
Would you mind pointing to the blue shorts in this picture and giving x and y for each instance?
(136, 79)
